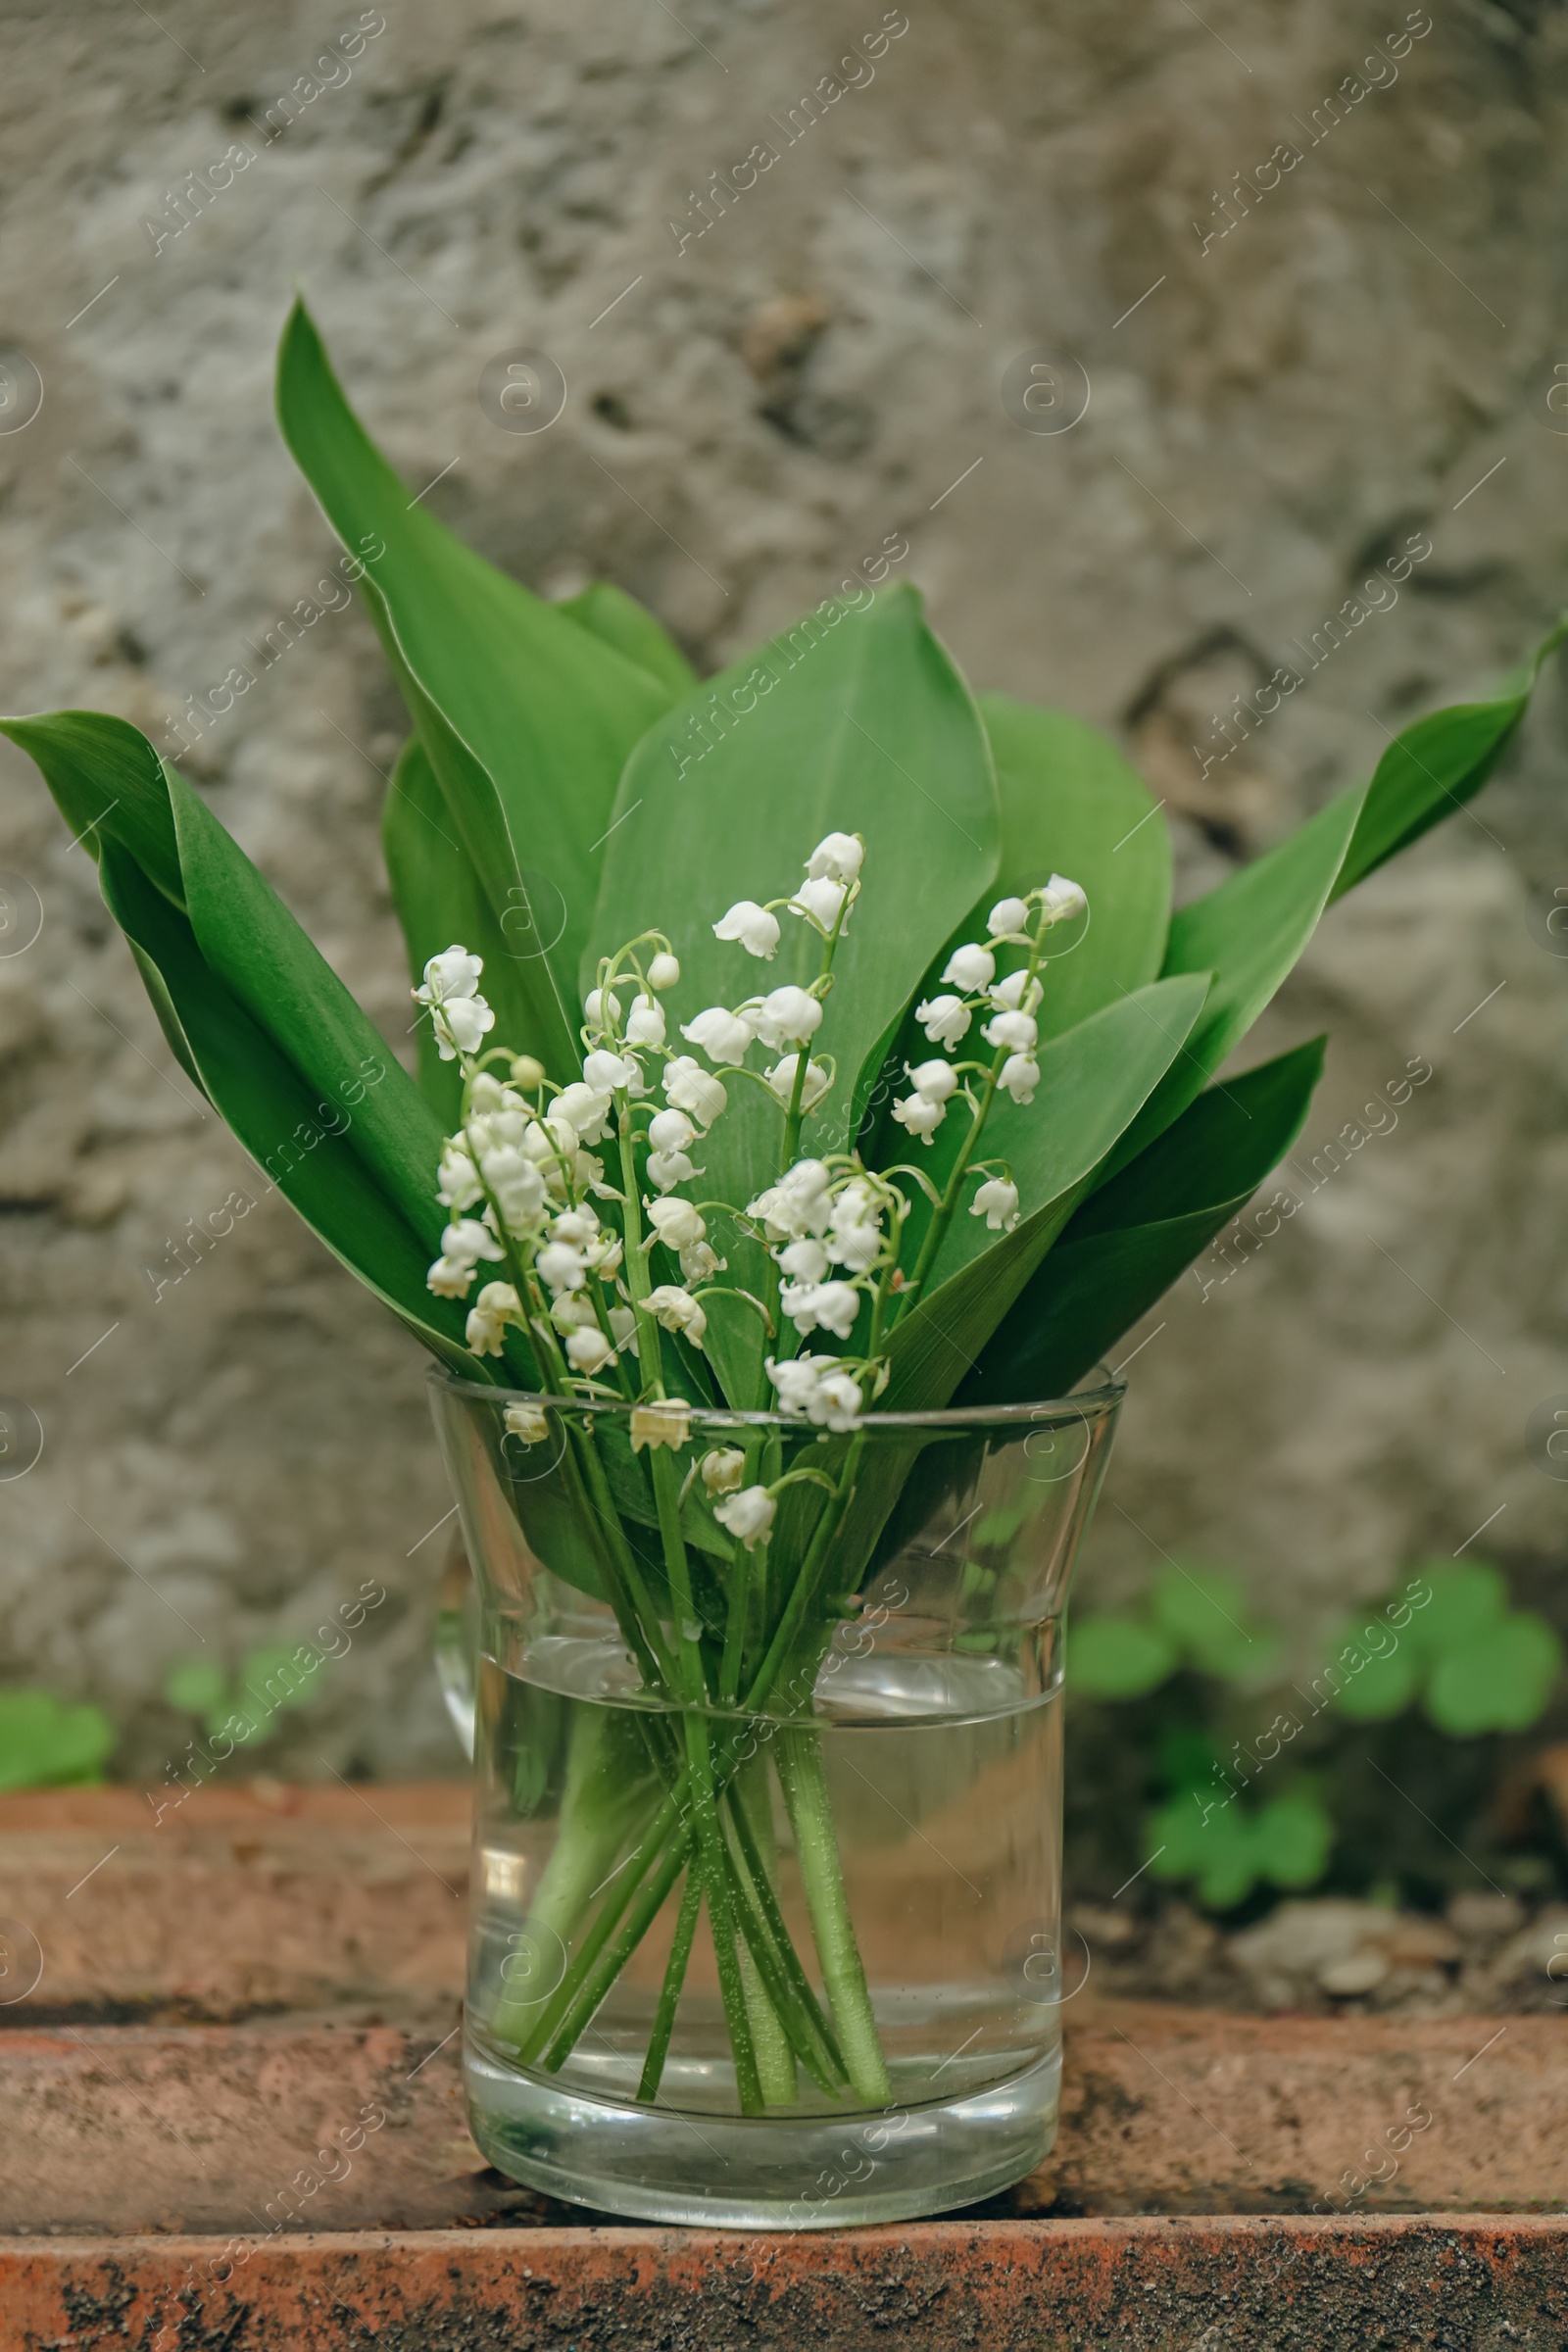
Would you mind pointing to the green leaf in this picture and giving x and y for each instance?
(1467, 1601)
(1378, 1688)
(196, 1686)
(1204, 1614)
(46, 1744)
(1118, 1657)
(527, 715)
(441, 903)
(1071, 805)
(274, 1113)
(854, 721)
(1501, 1682)
(1093, 1082)
(1292, 1839)
(1249, 933)
(609, 613)
(1435, 765)
(1132, 1239)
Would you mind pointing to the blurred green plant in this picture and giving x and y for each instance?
(1447, 1641)
(45, 1744)
(1474, 1663)
(1193, 1617)
(270, 1679)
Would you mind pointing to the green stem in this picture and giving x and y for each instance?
(751, 1819)
(805, 1786)
(680, 1952)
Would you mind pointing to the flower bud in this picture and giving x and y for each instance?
(587, 1349)
(527, 1072)
(1007, 916)
(645, 1025)
(664, 970)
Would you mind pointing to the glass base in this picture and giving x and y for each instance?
(789, 2172)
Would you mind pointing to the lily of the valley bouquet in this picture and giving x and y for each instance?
(803, 1053)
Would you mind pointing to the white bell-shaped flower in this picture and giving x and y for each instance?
(465, 1242)
(582, 1109)
(529, 1422)
(451, 974)
(920, 1115)
(970, 968)
(458, 1186)
(1018, 1032)
(837, 1402)
(516, 1182)
(645, 1023)
(460, 1025)
(856, 1221)
(562, 1267)
(945, 1019)
(822, 899)
(578, 1226)
(677, 1223)
(664, 970)
(1017, 993)
(605, 1072)
(1062, 900)
(671, 1131)
(678, 1310)
(666, 1169)
(837, 856)
(487, 1093)
(935, 1080)
(747, 1516)
(690, 1088)
(662, 1421)
(787, 1016)
(495, 1308)
(572, 1310)
(752, 926)
(602, 1009)
(833, 1305)
(450, 1277)
(806, 1260)
(587, 1349)
(698, 1261)
(1021, 1075)
(997, 1200)
(781, 1078)
(797, 1380)
(623, 1328)
(1007, 917)
(723, 1036)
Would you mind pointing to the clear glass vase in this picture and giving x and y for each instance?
(766, 1885)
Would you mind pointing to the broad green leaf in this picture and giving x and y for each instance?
(47, 1744)
(1435, 765)
(1468, 1600)
(1136, 1236)
(441, 903)
(1291, 1838)
(610, 614)
(1071, 805)
(275, 1114)
(854, 722)
(1093, 1082)
(527, 716)
(245, 935)
(1501, 1682)
(1118, 1657)
(1249, 933)
(1379, 1686)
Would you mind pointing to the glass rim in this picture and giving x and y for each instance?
(1100, 1398)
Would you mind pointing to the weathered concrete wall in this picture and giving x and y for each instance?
(1275, 409)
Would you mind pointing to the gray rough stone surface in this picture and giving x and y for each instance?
(1363, 356)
